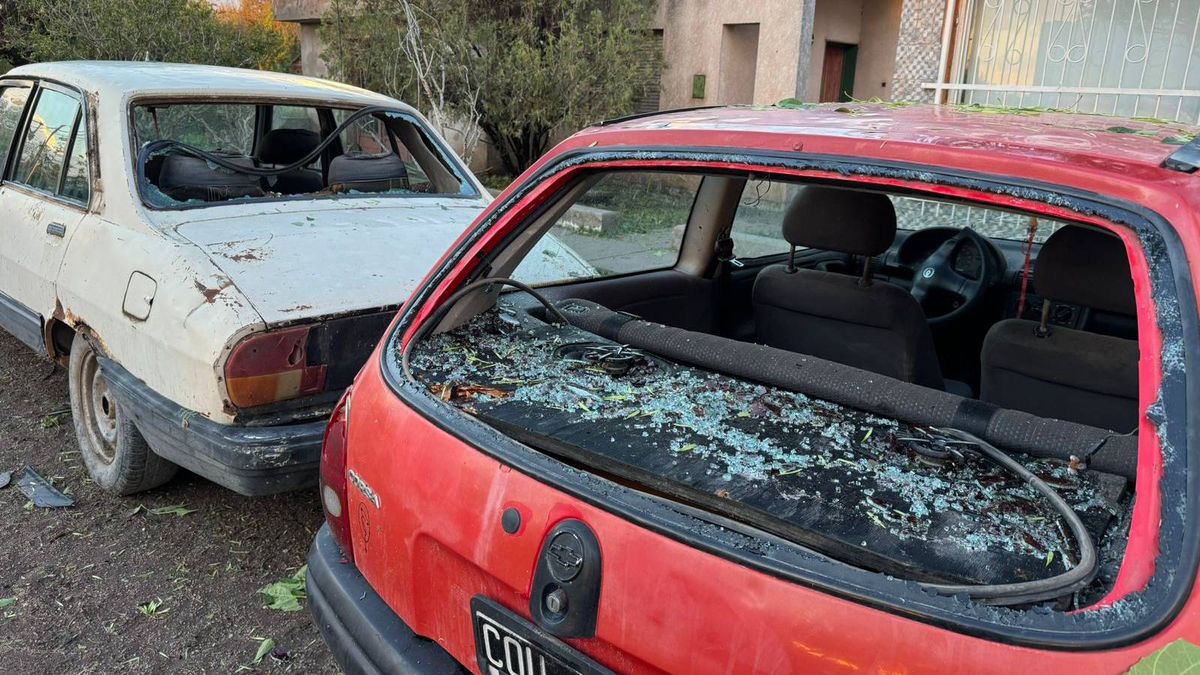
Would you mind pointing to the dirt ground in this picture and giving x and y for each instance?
(79, 574)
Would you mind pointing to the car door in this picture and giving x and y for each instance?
(43, 197)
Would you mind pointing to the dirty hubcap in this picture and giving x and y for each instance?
(99, 409)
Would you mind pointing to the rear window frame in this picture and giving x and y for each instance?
(1175, 304)
(468, 186)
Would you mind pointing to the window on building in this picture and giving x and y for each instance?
(1114, 57)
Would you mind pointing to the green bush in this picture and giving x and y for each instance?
(522, 69)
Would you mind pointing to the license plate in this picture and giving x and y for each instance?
(506, 644)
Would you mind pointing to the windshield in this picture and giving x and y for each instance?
(193, 154)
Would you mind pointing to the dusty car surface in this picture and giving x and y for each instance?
(908, 391)
(213, 253)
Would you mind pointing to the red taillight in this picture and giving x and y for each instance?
(268, 367)
(333, 476)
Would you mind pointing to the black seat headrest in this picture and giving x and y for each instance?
(368, 173)
(284, 146)
(183, 177)
(836, 219)
(1085, 267)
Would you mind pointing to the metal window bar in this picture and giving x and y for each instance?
(1121, 57)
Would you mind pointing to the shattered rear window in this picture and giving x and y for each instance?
(192, 154)
(887, 496)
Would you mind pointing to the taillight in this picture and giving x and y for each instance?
(269, 367)
(333, 476)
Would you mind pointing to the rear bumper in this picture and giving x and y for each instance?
(363, 633)
(251, 461)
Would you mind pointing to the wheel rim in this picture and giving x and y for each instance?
(99, 410)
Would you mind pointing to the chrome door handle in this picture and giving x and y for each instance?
(56, 229)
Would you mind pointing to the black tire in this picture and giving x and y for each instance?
(115, 453)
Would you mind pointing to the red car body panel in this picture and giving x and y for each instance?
(434, 541)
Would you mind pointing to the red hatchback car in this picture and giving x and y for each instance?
(856, 388)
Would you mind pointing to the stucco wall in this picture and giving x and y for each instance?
(692, 45)
(834, 21)
(299, 10)
(877, 48)
(874, 26)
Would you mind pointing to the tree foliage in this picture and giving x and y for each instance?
(185, 31)
(523, 69)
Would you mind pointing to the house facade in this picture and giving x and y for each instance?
(1124, 57)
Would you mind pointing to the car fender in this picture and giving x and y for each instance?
(191, 314)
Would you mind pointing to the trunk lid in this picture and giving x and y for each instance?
(336, 258)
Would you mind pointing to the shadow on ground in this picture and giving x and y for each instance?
(72, 579)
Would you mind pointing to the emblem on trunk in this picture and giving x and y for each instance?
(361, 485)
(564, 556)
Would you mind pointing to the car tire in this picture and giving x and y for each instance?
(117, 457)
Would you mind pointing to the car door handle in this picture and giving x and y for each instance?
(56, 229)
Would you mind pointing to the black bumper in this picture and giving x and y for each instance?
(249, 460)
(363, 633)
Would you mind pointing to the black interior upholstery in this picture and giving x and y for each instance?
(1061, 372)
(183, 177)
(873, 326)
(280, 147)
(368, 173)
(836, 219)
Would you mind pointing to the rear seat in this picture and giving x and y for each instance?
(368, 173)
(183, 178)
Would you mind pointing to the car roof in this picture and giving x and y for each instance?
(1033, 134)
(137, 78)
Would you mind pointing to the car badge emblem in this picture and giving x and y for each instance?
(565, 556)
(927, 272)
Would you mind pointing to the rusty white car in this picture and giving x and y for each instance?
(213, 253)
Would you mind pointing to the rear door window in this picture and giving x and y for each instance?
(12, 104)
(295, 117)
(627, 221)
(757, 229)
(47, 141)
(75, 185)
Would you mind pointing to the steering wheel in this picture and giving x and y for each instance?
(936, 282)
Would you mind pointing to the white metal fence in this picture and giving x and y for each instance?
(1133, 58)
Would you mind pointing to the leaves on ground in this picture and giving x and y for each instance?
(54, 419)
(7, 602)
(153, 608)
(1178, 657)
(264, 648)
(286, 595)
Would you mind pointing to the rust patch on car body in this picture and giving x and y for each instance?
(210, 294)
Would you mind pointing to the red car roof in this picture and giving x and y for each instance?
(1071, 138)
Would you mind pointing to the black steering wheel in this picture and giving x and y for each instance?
(943, 289)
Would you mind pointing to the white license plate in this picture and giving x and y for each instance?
(506, 644)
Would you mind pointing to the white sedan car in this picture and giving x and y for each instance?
(213, 253)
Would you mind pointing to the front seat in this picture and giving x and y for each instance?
(1059, 372)
(838, 317)
(281, 147)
